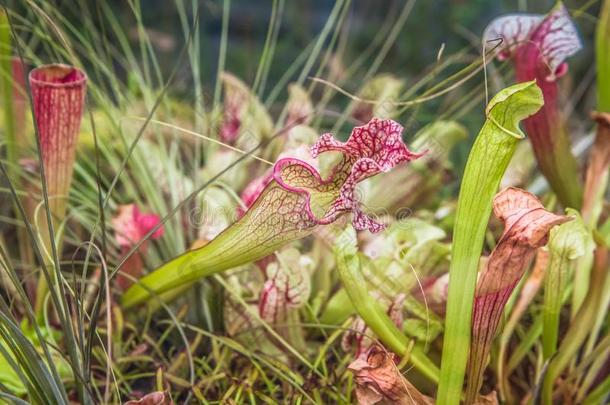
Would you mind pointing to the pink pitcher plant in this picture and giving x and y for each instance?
(291, 206)
(539, 46)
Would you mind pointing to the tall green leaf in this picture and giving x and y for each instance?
(580, 327)
(486, 164)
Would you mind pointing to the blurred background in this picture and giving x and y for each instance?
(399, 37)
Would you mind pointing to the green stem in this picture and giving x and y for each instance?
(567, 243)
(594, 361)
(581, 281)
(486, 165)
(600, 393)
(375, 317)
(554, 285)
(524, 347)
(579, 329)
(529, 340)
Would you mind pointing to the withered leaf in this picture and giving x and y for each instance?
(153, 398)
(527, 224)
(378, 380)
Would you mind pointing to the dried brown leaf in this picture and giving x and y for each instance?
(154, 398)
(378, 380)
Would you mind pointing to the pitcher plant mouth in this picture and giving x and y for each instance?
(57, 75)
(548, 39)
(58, 95)
(327, 199)
(292, 203)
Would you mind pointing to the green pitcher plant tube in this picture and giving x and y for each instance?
(487, 162)
(294, 201)
(580, 327)
(567, 243)
(371, 312)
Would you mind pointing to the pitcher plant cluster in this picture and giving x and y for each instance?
(344, 269)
